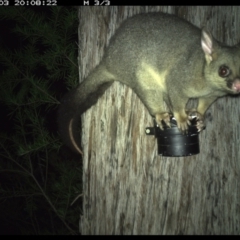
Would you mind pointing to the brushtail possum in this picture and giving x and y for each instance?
(163, 59)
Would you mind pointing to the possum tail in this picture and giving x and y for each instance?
(77, 101)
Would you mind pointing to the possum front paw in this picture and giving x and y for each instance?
(199, 118)
(183, 123)
(182, 120)
(163, 117)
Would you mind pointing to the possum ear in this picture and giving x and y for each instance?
(207, 43)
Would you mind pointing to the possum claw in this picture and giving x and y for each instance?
(183, 126)
(199, 118)
(163, 117)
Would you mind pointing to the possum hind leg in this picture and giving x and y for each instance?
(156, 106)
(159, 117)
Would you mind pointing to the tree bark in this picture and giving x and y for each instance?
(127, 187)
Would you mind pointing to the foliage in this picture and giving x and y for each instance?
(38, 57)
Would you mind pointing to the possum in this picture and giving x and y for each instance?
(163, 58)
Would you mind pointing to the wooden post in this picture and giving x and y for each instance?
(127, 187)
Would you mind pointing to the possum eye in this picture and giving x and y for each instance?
(224, 71)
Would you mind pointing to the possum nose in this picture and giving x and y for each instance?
(236, 85)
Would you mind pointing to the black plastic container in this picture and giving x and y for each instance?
(173, 143)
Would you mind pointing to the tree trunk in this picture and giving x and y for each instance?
(128, 188)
